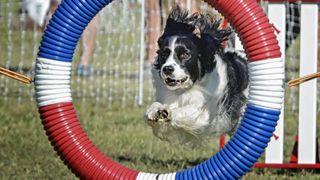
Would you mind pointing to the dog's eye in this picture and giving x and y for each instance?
(163, 54)
(184, 55)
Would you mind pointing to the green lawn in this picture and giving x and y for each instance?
(120, 133)
(105, 106)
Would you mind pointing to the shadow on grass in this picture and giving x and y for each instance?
(180, 163)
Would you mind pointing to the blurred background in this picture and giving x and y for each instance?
(111, 72)
(111, 87)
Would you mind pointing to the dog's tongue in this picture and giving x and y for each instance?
(172, 82)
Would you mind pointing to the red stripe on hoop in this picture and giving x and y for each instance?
(304, 1)
(252, 26)
(75, 148)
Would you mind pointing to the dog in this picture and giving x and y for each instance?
(200, 89)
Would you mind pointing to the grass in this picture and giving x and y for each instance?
(112, 122)
(124, 137)
(25, 151)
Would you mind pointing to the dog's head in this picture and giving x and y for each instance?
(187, 48)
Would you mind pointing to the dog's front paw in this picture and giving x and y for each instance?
(157, 113)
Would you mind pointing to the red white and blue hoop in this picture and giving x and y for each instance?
(53, 94)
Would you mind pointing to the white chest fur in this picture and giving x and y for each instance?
(193, 112)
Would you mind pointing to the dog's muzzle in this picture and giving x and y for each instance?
(168, 70)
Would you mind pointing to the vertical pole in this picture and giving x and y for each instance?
(142, 53)
(277, 16)
(10, 46)
(308, 90)
(189, 5)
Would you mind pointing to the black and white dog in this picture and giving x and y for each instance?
(200, 88)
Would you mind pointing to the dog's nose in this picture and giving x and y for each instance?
(168, 69)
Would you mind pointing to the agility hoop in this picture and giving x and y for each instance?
(53, 95)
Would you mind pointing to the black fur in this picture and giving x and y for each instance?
(238, 81)
(179, 22)
(212, 38)
(208, 40)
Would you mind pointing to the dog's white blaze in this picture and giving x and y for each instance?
(170, 60)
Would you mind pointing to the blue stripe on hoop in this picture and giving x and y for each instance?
(244, 148)
(265, 110)
(66, 26)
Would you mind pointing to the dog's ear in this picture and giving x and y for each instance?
(210, 32)
(179, 21)
(211, 38)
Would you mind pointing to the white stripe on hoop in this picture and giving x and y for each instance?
(150, 176)
(267, 98)
(267, 71)
(54, 101)
(53, 62)
(266, 93)
(266, 83)
(52, 71)
(43, 66)
(51, 77)
(52, 91)
(278, 83)
(267, 88)
(268, 66)
(53, 96)
(265, 62)
(52, 81)
(52, 87)
(266, 77)
(264, 104)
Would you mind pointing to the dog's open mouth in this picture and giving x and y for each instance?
(175, 82)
